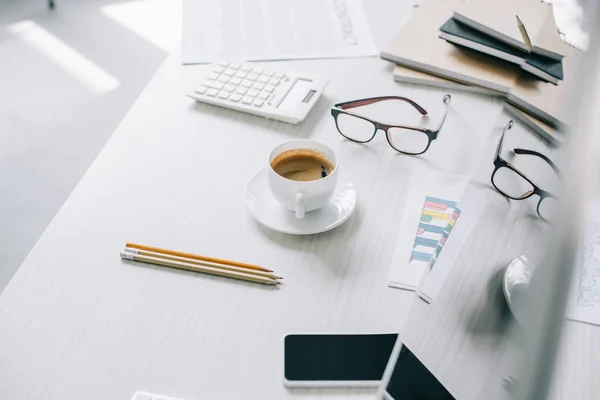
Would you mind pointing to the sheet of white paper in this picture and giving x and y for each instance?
(471, 204)
(584, 301)
(253, 30)
(403, 274)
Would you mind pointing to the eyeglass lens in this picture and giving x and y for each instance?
(511, 184)
(355, 128)
(362, 130)
(408, 140)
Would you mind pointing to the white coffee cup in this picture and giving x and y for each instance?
(303, 197)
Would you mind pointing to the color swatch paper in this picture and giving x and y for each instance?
(430, 214)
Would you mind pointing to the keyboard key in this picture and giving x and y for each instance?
(229, 88)
(246, 83)
(223, 94)
(257, 70)
(252, 93)
(274, 81)
(235, 97)
(235, 66)
(212, 92)
(269, 88)
(252, 76)
(247, 100)
(278, 75)
(263, 79)
(241, 90)
(245, 68)
(224, 78)
(214, 85)
(229, 71)
(258, 86)
(224, 63)
(235, 81)
(268, 73)
(258, 103)
(218, 69)
(201, 90)
(240, 74)
(212, 76)
(263, 95)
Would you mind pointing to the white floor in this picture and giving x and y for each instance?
(67, 78)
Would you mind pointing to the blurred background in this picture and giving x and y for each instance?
(68, 76)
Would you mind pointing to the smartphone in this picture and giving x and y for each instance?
(407, 378)
(336, 360)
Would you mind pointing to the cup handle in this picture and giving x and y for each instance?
(300, 205)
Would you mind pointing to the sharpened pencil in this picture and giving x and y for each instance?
(196, 257)
(199, 268)
(204, 263)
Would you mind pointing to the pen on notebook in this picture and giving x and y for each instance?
(196, 257)
(199, 268)
(204, 263)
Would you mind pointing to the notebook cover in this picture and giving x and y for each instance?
(519, 23)
(544, 130)
(418, 46)
(551, 135)
(548, 65)
(407, 75)
(464, 31)
(543, 99)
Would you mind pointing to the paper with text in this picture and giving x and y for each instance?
(584, 301)
(254, 30)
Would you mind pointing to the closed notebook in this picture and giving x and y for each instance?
(545, 131)
(460, 34)
(544, 100)
(419, 47)
(551, 135)
(518, 23)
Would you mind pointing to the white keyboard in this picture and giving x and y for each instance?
(150, 396)
(255, 90)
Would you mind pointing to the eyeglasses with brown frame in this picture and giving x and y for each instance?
(405, 139)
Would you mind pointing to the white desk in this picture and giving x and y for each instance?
(76, 322)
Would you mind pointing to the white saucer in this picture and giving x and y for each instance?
(269, 212)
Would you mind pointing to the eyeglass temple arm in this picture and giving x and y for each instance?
(447, 100)
(366, 102)
(508, 127)
(540, 155)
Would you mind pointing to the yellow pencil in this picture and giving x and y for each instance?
(196, 257)
(204, 263)
(199, 268)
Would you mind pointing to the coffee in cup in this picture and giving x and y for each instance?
(303, 165)
(303, 175)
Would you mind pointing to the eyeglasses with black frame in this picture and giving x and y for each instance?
(514, 184)
(403, 138)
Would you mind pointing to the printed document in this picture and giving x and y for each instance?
(254, 30)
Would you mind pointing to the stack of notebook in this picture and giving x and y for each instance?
(509, 48)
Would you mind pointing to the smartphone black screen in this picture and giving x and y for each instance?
(411, 380)
(337, 357)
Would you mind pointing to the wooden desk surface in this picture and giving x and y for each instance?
(76, 322)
